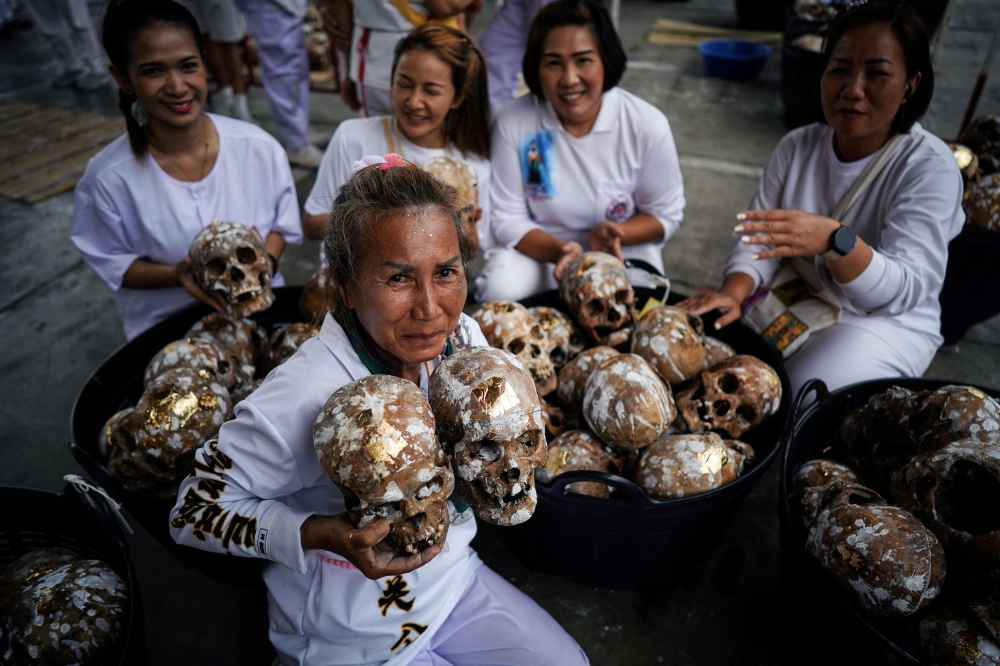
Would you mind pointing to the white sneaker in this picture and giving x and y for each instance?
(222, 101)
(241, 109)
(308, 157)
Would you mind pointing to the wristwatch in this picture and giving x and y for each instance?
(842, 242)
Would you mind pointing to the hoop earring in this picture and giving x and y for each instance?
(139, 113)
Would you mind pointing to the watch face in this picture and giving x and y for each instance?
(844, 240)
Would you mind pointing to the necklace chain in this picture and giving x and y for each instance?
(204, 161)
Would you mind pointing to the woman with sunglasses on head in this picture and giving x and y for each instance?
(884, 260)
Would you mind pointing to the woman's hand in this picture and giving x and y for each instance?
(794, 233)
(728, 300)
(569, 251)
(362, 547)
(186, 279)
(607, 237)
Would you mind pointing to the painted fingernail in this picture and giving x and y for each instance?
(755, 256)
(738, 228)
(746, 239)
(741, 216)
(718, 325)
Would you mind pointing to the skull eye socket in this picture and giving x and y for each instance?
(729, 383)
(516, 346)
(160, 393)
(747, 414)
(246, 255)
(431, 487)
(557, 355)
(575, 340)
(595, 307)
(216, 266)
(528, 440)
(970, 502)
(623, 296)
(488, 451)
(224, 367)
(536, 332)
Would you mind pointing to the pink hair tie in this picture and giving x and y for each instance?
(394, 160)
(387, 162)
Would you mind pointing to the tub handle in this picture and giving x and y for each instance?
(655, 276)
(816, 386)
(632, 491)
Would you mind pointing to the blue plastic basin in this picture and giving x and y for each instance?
(734, 58)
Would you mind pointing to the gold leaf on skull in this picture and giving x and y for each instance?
(495, 396)
(384, 443)
(712, 459)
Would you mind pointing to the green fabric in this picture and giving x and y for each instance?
(375, 364)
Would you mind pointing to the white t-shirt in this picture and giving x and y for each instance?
(378, 26)
(545, 178)
(908, 215)
(126, 209)
(251, 491)
(361, 137)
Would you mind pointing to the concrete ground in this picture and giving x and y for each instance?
(57, 324)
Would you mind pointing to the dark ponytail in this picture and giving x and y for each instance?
(468, 126)
(123, 20)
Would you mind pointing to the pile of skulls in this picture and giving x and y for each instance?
(190, 389)
(58, 607)
(669, 412)
(398, 456)
(978, 157)
(936, 456)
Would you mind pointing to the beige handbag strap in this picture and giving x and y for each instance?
(867, 176)
(389, 142)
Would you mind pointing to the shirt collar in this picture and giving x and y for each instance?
(606, 120)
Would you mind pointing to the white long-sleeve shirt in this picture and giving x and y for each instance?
(251, 491)
(127, 209)
(908, 215)
(565, 185)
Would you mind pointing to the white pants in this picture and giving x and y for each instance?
(496, 624)
(374, 101)
(503, 45)
(845, 354)
(509, 275)
(284, 68)
(67, 26)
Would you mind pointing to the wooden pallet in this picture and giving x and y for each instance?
(44, 150)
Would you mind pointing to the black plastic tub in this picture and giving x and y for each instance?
(636, 541)
(85, 524)
(116, 385)
(971, 291)
(832, 616)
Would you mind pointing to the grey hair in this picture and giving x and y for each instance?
(371, 198)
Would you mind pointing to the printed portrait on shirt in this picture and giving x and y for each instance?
(536, 165)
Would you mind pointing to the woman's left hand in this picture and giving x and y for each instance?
(186, 278)
(607, 237)
(793, 233)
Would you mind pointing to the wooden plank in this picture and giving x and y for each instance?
(43, 180)
(87, 140)
(681, 33)
(28, 142)
(16, 110)
(33, 121)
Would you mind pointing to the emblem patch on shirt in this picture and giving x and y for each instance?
(617, 211)
(409, 633)
(396, 588)
(536, 165)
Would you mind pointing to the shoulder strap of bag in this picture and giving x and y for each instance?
(867, 176)
(389, 143)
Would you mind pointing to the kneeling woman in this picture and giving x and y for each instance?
(885, 259)
(397, 263)
(148, 193)
(579, 163)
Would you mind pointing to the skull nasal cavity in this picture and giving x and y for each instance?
(729, 383)
(721, 407)
(513, 474)
(246, 255)
(236, 273)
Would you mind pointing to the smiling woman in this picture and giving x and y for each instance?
(147, 194)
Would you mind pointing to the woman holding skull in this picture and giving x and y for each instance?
(144, 197)
(884, 260)
(579, 163)
(338, 594)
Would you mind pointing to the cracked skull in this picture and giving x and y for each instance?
(671, 340)
(375, 439)
(683, 465)
(599, 295)
(956, 490)
(509, 326)
(565, 341)
(229, 260)
(626, 403)
(731, 397)
(489, 420)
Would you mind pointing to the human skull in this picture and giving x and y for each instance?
(573, 376)
(951, 413)
(882, 555)
(580, 450)
(489, 420)
(156, 442)
(732, 397)
(287, 340)
(244, 338)
(463, 179)
(556, 421)
(565, 340)
(25, 570)
(74, 614)
(229, 260)
(982, 136)
(111, 430)
(204, 356)
(716, 351)
(816, 474)
(951, 634)
(242, 391)
(509, 326)
(956, 490)
(375, 439)
(598, 293)
(676, 466)
(314, 303)
(626, 404)
(670, 339)
(968, 164)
